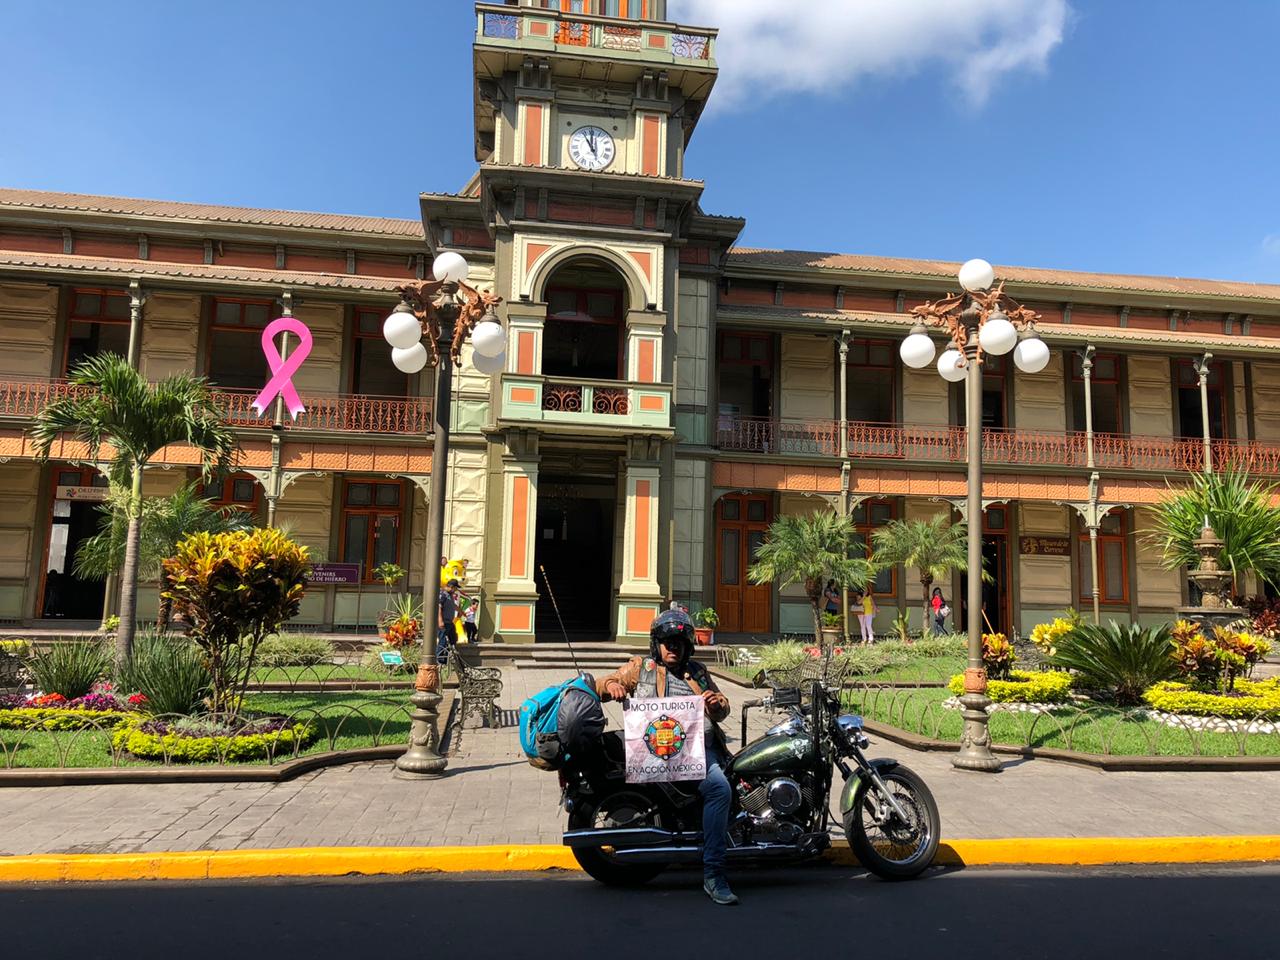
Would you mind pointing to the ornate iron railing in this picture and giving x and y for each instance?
(579, 398)
(352, 413)
(999, 446)
(589, 29)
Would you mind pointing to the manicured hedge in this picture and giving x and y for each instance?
(155, 740)
(1258, 700)
(1025, 686)
(57, 718)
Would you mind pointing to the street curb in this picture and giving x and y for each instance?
(398, 861)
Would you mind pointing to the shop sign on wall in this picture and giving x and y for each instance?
(1045, 546)
(81, 494)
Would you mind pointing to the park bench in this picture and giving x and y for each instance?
(478, 692)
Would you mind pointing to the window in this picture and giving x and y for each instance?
(1113, 571)
(97, 323)
(872, 373)
(372, 371)
(371, 513)
(1105, 388)
(583, 335)
(1190, 412)
(235, 342)
(745, 376)
(237, 490)
(868, 516)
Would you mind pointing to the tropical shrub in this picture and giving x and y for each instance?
(997, 655)
(707, 618)
(211, 741)
(1122, 660)
(294, 650)
(168, 671)
(783, 655)
(403, 625)
(1252, 700)
(934, 547)
(235, 589)
(70, 668)
(1264, 616)
(15, 648)
(1216, 661)
(1046, 636)
(1023, 686)
(932, 647)
(831, 620)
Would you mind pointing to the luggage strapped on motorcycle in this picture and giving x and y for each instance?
(559, 721)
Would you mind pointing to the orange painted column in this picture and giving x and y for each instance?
(640, 597)
(517, 593)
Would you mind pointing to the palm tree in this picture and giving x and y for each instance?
(1241, 514)
(935, 547)
(165, 521)
(809, 550)
(115, 407)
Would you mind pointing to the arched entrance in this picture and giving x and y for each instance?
(584, 334)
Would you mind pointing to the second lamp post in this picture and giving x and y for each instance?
(977, 322)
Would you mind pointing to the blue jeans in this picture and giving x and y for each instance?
(445, 638)
(716, 797)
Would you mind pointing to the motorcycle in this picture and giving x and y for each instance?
(625, 834)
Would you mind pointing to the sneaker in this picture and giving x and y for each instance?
(717, 888)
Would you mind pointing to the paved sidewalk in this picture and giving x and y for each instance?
(492, 796)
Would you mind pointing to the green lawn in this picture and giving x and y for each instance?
(346, 721)
(1092, 728)
(332, 673)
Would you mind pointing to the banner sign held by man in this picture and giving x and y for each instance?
(664, 740)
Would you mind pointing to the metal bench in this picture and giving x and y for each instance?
(478, 691)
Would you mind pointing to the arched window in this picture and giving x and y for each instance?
(583, 336)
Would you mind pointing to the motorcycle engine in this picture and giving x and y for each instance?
(776, 810)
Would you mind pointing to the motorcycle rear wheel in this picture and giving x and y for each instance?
(894, 850)
(615, 810)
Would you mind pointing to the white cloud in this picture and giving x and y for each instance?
(1271, 245)
(769, 47)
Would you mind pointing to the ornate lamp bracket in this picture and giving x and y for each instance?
(963, 314)
(437, 306)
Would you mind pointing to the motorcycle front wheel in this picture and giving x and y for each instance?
(623, 809)
(889, 846)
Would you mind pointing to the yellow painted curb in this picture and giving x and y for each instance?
(393, 861)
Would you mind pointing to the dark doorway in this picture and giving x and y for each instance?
(1190, 409)
(995, 587)
(575, 547)
(76, 516)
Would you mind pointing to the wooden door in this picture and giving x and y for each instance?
(741, 524)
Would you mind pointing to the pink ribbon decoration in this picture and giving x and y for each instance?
(282, 370)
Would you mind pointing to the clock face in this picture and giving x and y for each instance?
(591, 148)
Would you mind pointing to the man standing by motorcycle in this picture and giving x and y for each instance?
(671, 671)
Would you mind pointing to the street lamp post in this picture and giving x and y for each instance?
(977, 322)
(446, 311)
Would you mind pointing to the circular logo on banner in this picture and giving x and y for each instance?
(665, 738)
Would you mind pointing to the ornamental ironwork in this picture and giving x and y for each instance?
(501, 26)
(562, 398)
(962, 314)
(620, 38)
(574, 33)
(690, 46)
(610, 400)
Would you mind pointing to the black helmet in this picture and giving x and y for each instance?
(673, 628)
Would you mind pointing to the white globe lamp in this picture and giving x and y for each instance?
(489, 366)
(917, 350)
(410, 359)
(488, 338)
(998, 336)
(949, 366)
(1031, 355)
(402, 328)
(450, 267)
(977, 275)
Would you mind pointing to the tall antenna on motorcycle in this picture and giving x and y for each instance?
(556, 607)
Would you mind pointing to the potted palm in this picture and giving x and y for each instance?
(832, 630)
(705, 622)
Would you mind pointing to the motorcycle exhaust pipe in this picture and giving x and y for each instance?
(676, 855)
(627, 837)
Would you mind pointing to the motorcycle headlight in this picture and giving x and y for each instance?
(850, 727)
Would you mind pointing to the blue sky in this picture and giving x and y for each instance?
(1142, 138)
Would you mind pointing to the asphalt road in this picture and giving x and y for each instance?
(816, 912)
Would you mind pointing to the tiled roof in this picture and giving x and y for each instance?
(205, 212)
(194, 271)
(896, 266)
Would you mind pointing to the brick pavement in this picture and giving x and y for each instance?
(492, 796)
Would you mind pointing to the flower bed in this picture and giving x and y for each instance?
(52, 711)
(1049, 686)
(192, 740)
(1251, 700)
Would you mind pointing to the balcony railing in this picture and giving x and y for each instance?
(340, 413)
(597, 403)
(877, 441)
(536, 26)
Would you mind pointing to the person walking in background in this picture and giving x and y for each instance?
(832, 597)
(446, 637)
(940, 611)
(867, 617)
(469, 609)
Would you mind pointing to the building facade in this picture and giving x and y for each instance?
(667, 394)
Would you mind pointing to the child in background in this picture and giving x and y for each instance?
(469, 608)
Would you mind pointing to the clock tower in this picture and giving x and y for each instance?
(583, 112)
